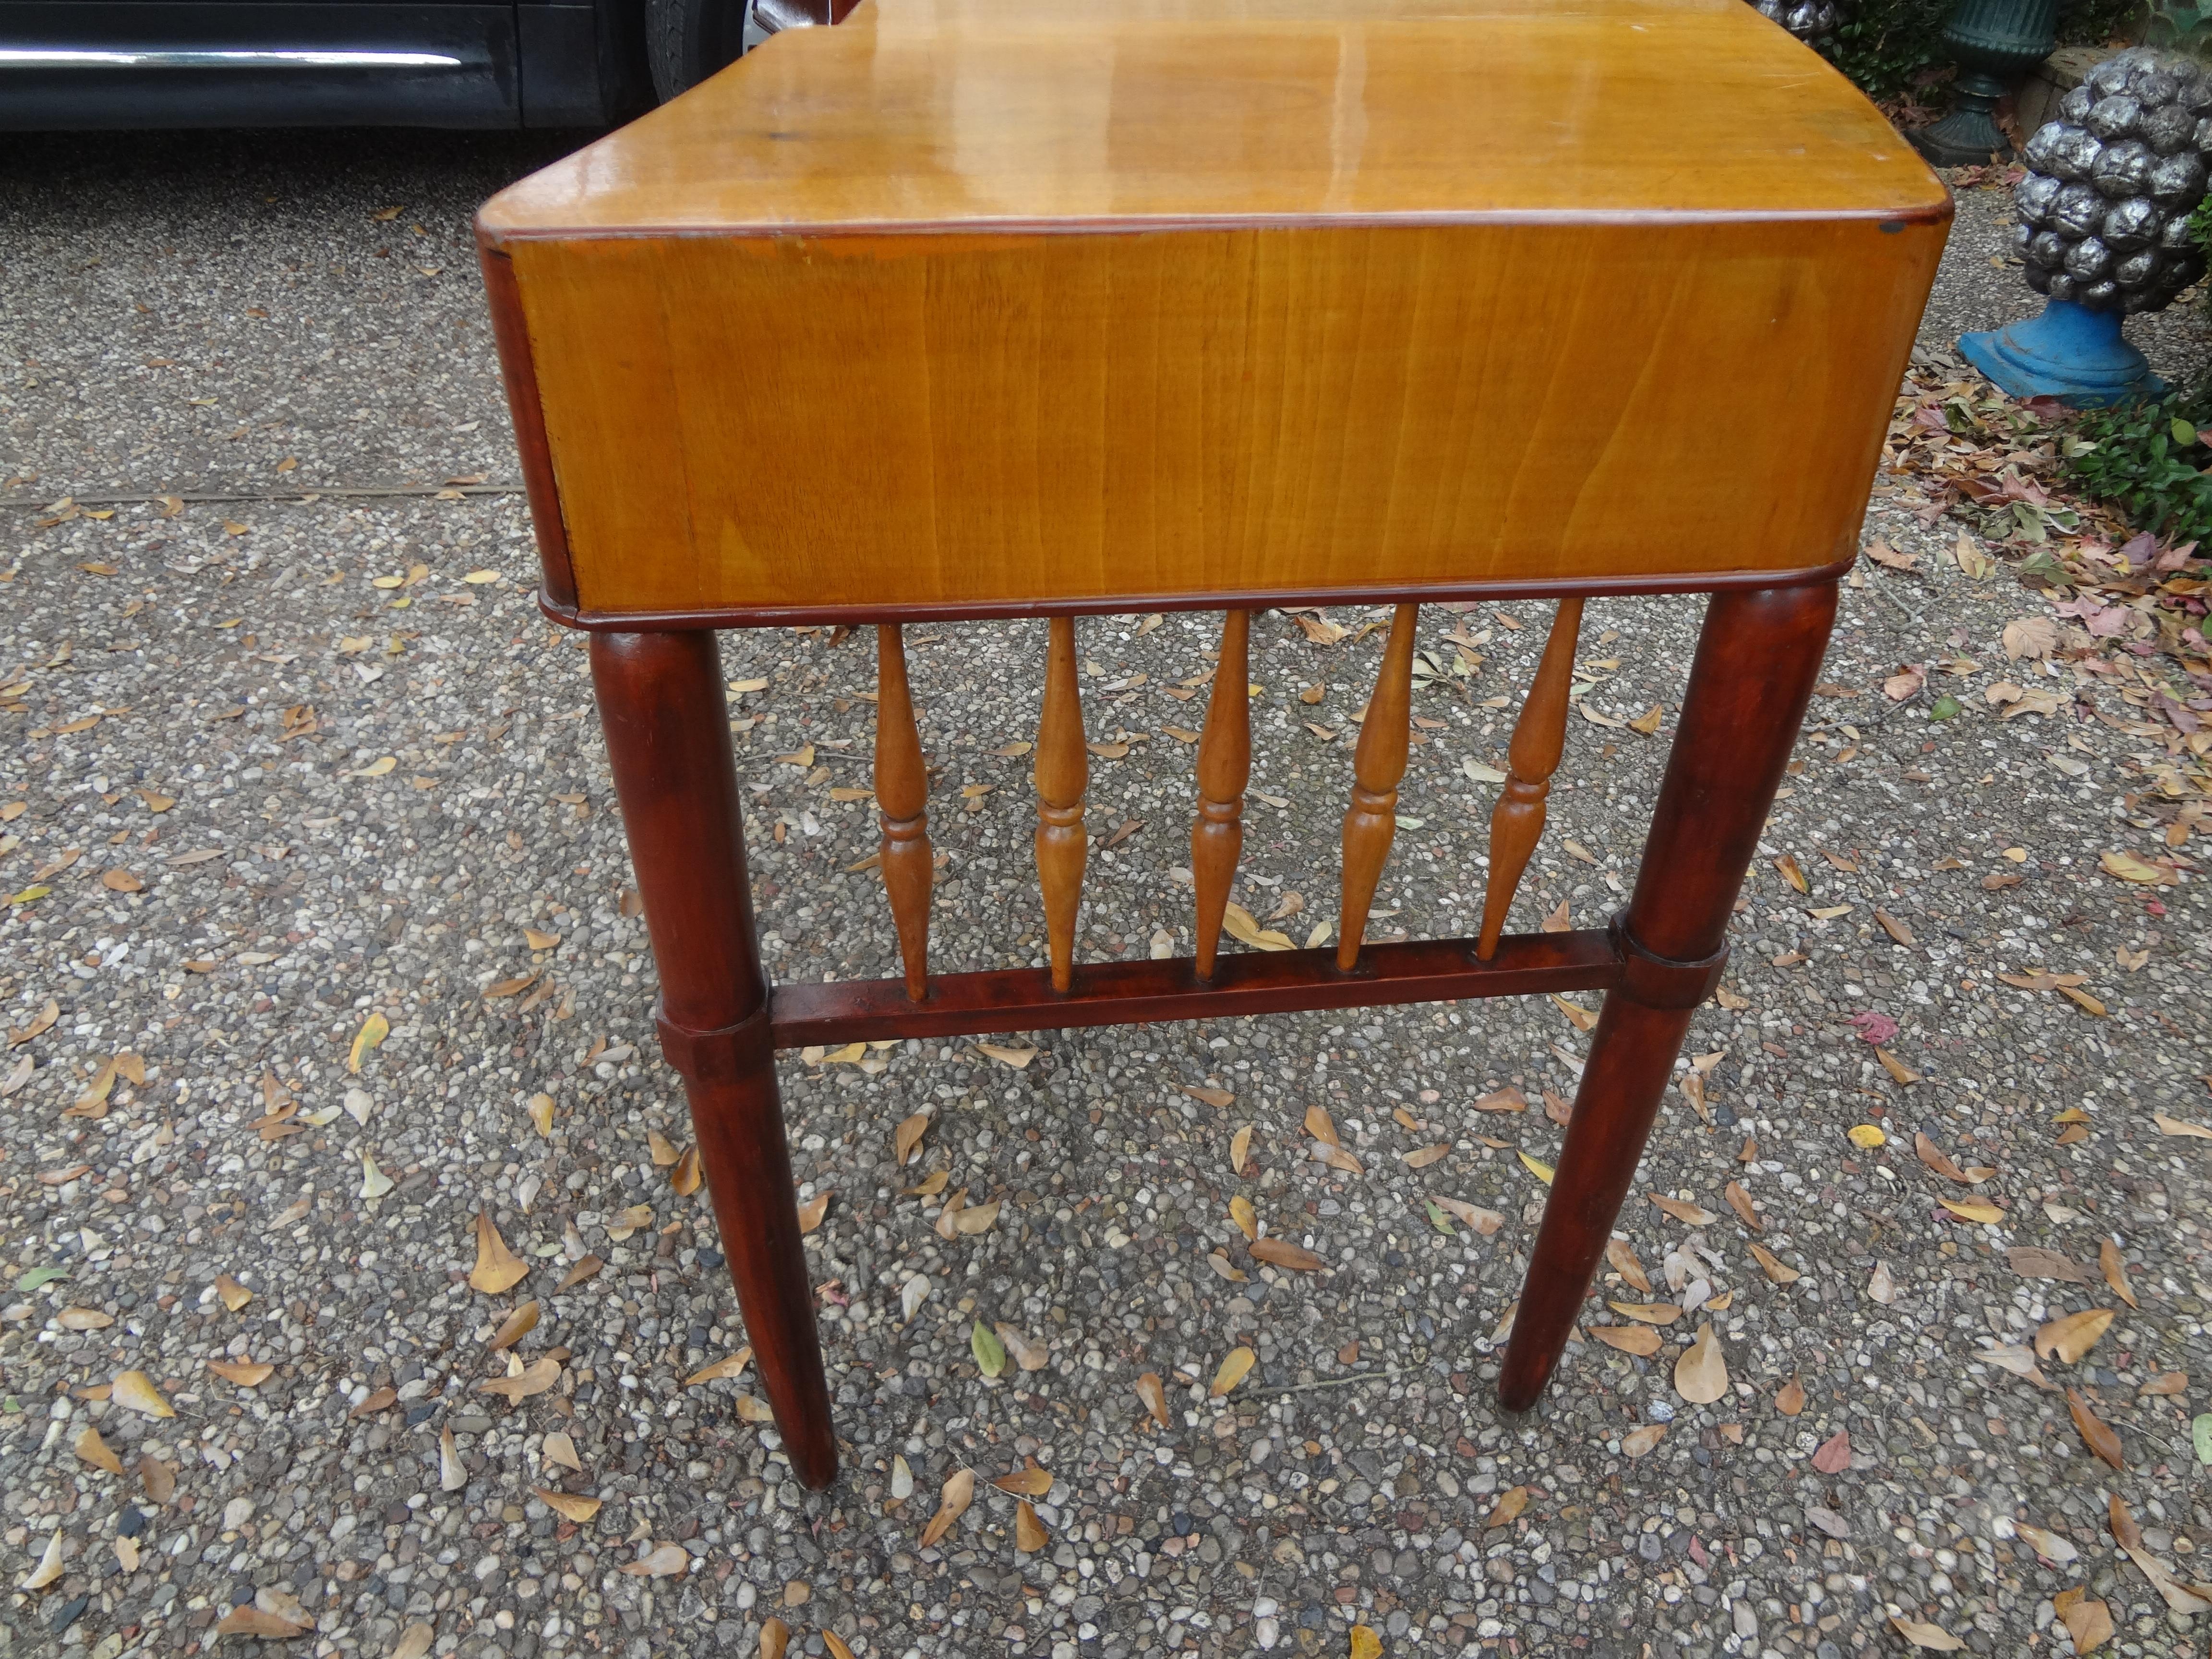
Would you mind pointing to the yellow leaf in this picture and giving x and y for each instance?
(1641, 1339)
(1775, 1267)
(907, 1137)
(959, 1491)
(1031, 1482)
(1240, 1147)
(2074, 1335)
(660, 1149)
(1973, 1209)
(537, 941)
(1154, 1396)
(541, 1114)
(1649, 1313)
(1793, 873)
(533, 1379)
(90, 1447)
(374, 1031)
(1580, 1018)
(730, 1365)
(1898, 1070)
(575, 1507)
(1321, 1127)
(136, 1390)
(1538, 1167)
(1233, 1369)
(1240, 1213)
(1866, 1135)
(1365, 1644)
(1245, 928)
(812, 1211)
(375, 768)
(516, 1326)
(1701, 1373)
(246, 1373)
(498, 1268)
(2128, 867)
(1007, 1054)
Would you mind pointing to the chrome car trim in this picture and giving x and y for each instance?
(91, 57)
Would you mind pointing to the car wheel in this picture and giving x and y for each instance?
(687, 40)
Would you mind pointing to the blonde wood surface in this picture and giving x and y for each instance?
(1063, 772)
(902, 799)
(1540, 737)
(1378, 764)
(1294, 298)
(1224, 767)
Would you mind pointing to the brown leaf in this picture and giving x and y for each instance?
(1283, 1253)
(1793, 873)
(661, 1149)
(374, 1402)
(535, 1378)
(812, 1211)
(1234, 1369)
(1321, 1127)
(1209, 1095)
(157, 1479)
(1507, 1510)
(2165, 1382)
(40, 1022)
(1031, 1482)
(1891, 926)
(1899, 1071)
(1701, 1372)
(1508, 1099)
(2096, 1434)
(685, 1177)
(1932, 1156)
(665, 1561)
(1690, 1215)
(2074, 1335)
(1790, 1399)
(1154, 1396)
(1030, 1535)
(1740, 1202)
(234, 1295)
(1246, 1218)
(2126, 1533)
(1649, 1313)
(1558, 1108)
(1485, 1222)
(728, 1365)
(2116, 1271)
(1428, 1155)
(907, 1137)
(2032, 1261)
(2088, 1622)
(576, 1275)
(574, 1506)
(1240, 1148)
(246, 1373)
(90, 1447)
(83, 1319)
(516, 1326)
(250, 1620)
(1933, 1638)
(1833, 1455)
(1638, 1442)
(1621, 1254)
(1775, 1269)
(498, 1268)
(776, 1639)
(120, 881)
(1629, 1339)
(959, 1491)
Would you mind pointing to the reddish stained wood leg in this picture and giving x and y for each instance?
(1224, 767)
(661, 702)
(1540, 737)
(1378, 765)
(1063, 772)
(903, 797)
(1757, 660)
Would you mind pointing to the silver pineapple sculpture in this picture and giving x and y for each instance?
(2104, 229)
(2103, 214)
(1813, 21)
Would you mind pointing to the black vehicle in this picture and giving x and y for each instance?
(93, 64)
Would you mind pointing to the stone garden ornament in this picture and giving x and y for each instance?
(2103, 228)
(1813, 21)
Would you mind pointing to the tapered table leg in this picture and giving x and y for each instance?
(661, 702)
(1757, 660)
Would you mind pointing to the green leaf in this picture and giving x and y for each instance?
(990, 1353)
(1945, 707)
(1437, 1219)
(38, 1276)
(2200, 1436)
(2183, 434)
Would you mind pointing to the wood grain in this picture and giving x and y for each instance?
(1224, 767)
(1063, 772)
(1539, 737)
(1383, 299)
(902, 799)
(1378, 764)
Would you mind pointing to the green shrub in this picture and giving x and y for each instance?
(2147, 458)
(1889, 45)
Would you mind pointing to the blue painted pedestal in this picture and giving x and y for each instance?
(2070, 352)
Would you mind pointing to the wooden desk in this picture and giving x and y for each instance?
(954, 310)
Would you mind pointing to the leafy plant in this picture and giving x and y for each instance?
(2179, 27)
(2147, 458)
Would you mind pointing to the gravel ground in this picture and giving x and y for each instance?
(323, 778)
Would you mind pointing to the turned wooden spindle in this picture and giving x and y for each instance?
(1063, 769)
(1224, 767)
(903, 797)
(1378, 764)
(1539, 737)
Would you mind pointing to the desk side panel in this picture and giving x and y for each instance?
(895, 421)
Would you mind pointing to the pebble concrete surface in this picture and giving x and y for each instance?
(326, 1006)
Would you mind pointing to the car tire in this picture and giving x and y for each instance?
(687, 40)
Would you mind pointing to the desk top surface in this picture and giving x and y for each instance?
(958, 116)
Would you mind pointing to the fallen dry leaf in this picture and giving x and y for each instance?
(516, 1326)
(1637, 1442)
(1932, 1156)
(812, 1211)
(1155, 1397)
(136, 1390)
(1834, 1456)
(498, 1268)
(1740, 1202)
(2096, 1434)
(1281, 1253)
(1774, 1268)
(1234, 1369)
(90, 1447)
(1790, 1400)
(1240, 1148)
(574, 1505)
(1649, 1313)
(663, 1561)
(250, 1620)
(234, 1295)
(958, 1492)
(907, 1137)
(1690, 1215)
(533, 1379)
(2089, 1622)
(1508, 1508)
(1701, 1372)
(1621, 1254)
(2073, 1335)
(1933, 1637)
(1030, 1535)
(1031, 1482)
(246, 1373)
(2114, 1266)
(1640, 1340)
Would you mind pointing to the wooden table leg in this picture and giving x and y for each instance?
(1757, 660)
(661, 702)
